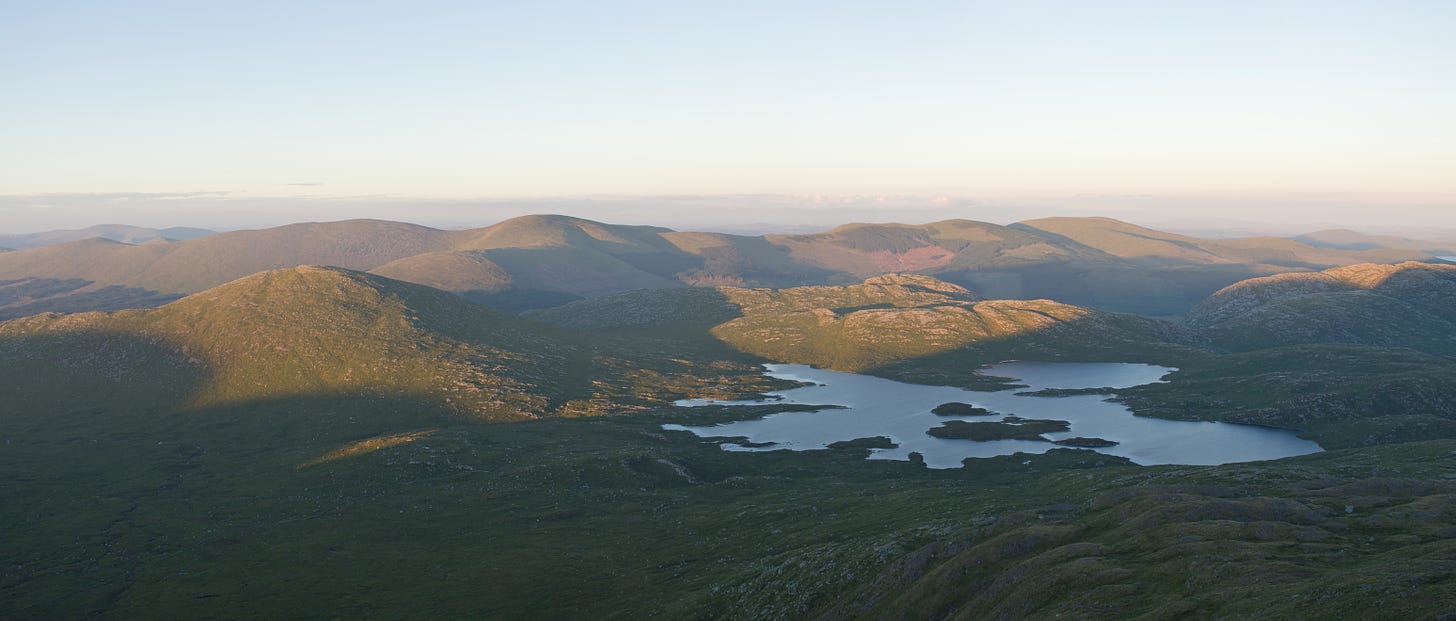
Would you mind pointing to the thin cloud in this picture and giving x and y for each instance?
(86, 199)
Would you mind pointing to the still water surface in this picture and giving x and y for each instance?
(876, 406)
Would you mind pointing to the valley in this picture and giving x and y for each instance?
(1012, 421)
(715, 311)
(302, 441)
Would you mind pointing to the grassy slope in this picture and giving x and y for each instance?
(1406, 305)
(1339, 395)
(208, 516)
(907, 327)
(189, 496)
(558, 253)
(312, 331)
(32, 296)
(451, 271)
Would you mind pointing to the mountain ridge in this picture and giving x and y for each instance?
(124, 233)
(1094, 262)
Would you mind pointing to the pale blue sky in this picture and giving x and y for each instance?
(1011, 101)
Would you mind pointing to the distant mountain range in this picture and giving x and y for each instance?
(1345, 239)
(115, 232)
(542, 261)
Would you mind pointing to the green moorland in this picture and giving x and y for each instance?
(369, 508)
(29, 296)
(322, 443)
(901, 326)
(1406, 305)
(328, 331)
(1338, 395)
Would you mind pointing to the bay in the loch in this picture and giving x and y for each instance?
(874, 406)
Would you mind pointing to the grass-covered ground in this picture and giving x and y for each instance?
(368, 509)
(1338, 395)
(234, 456)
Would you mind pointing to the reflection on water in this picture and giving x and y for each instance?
(875, 406)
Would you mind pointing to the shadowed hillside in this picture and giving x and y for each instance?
(1145, 245)
(1406, 305)
(908, 327)
(1338, 395)
(244, 452)
(1345, 239)
(30, 296)
(869, 249)
(313, 331)
(549, 253)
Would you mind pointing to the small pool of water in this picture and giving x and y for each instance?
(874, 406)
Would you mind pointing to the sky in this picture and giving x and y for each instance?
(456, 113)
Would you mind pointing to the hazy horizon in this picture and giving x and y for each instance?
(744, 214)
(1271, 117)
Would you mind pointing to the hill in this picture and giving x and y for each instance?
(1338, 395)
(244, 451)
(191, 266)
(113, 232)
(319, 332)
(1345, 239)
(1407, 305)
(892, 319)
(30, 296)
(550, 257)
(950, 245)
(569, 256)
(905, 326)
(539, 261)
(198, 514)
(1148, 246)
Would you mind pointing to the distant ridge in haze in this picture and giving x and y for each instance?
(542, 260)
(1345, 239)
(115, 232)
